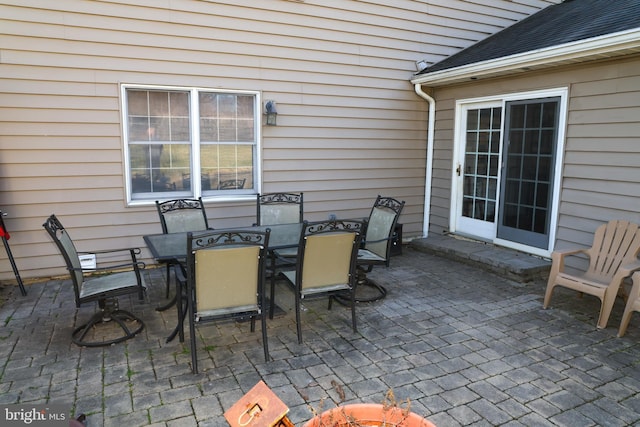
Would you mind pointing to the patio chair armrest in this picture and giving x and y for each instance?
(285, 259)
(138, 265)
(558, 257)
(635, 289)
(628, 269)
(133, 252)
(567, 252)
(377, 241)
(136, 251)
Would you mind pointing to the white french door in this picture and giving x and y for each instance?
(477, 169)
(506, 169)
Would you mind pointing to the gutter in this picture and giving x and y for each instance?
(606, 46)
(429, 167)
(609, 45)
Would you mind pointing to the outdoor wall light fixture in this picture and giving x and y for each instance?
(271, 112)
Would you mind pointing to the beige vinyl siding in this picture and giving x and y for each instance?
(349, 125)
(602, 161)
(601, 172)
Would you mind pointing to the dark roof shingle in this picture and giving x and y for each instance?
(566, 22)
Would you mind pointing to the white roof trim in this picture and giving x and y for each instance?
(597, 47)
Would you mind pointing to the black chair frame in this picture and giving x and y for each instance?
(279, 199)
(170, 206)
(323, 227)
(107, 298)
(365, 265)
(278, 262)
(224, 239)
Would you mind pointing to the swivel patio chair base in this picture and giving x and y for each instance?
(109, 312)
(366, 290)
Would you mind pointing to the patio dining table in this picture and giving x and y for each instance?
(172, 247)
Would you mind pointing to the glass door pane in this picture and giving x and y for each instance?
(480, 168)
(528, 162)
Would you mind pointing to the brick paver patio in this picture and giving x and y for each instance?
(468, 348)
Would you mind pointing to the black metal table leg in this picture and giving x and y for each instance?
(181, 304)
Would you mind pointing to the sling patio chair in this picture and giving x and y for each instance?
(279, 208)
(613, 257)
(181, 215)
(225, 280)
(377, 244)
(103, 289)
(326, 264)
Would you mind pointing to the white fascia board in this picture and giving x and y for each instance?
(566, 53)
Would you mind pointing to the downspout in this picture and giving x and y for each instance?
(429, 170)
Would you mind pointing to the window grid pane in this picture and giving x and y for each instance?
(159, 139)
(529, 160)
(481, 163)
(161, 145)
(226, 118)
(228, 140)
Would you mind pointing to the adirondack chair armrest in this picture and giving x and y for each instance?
(558, 257)
(635, 289)
(567, 252)
(628, 269)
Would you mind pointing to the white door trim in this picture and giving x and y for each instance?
(459, 139)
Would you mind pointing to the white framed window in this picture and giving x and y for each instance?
(190, 142)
